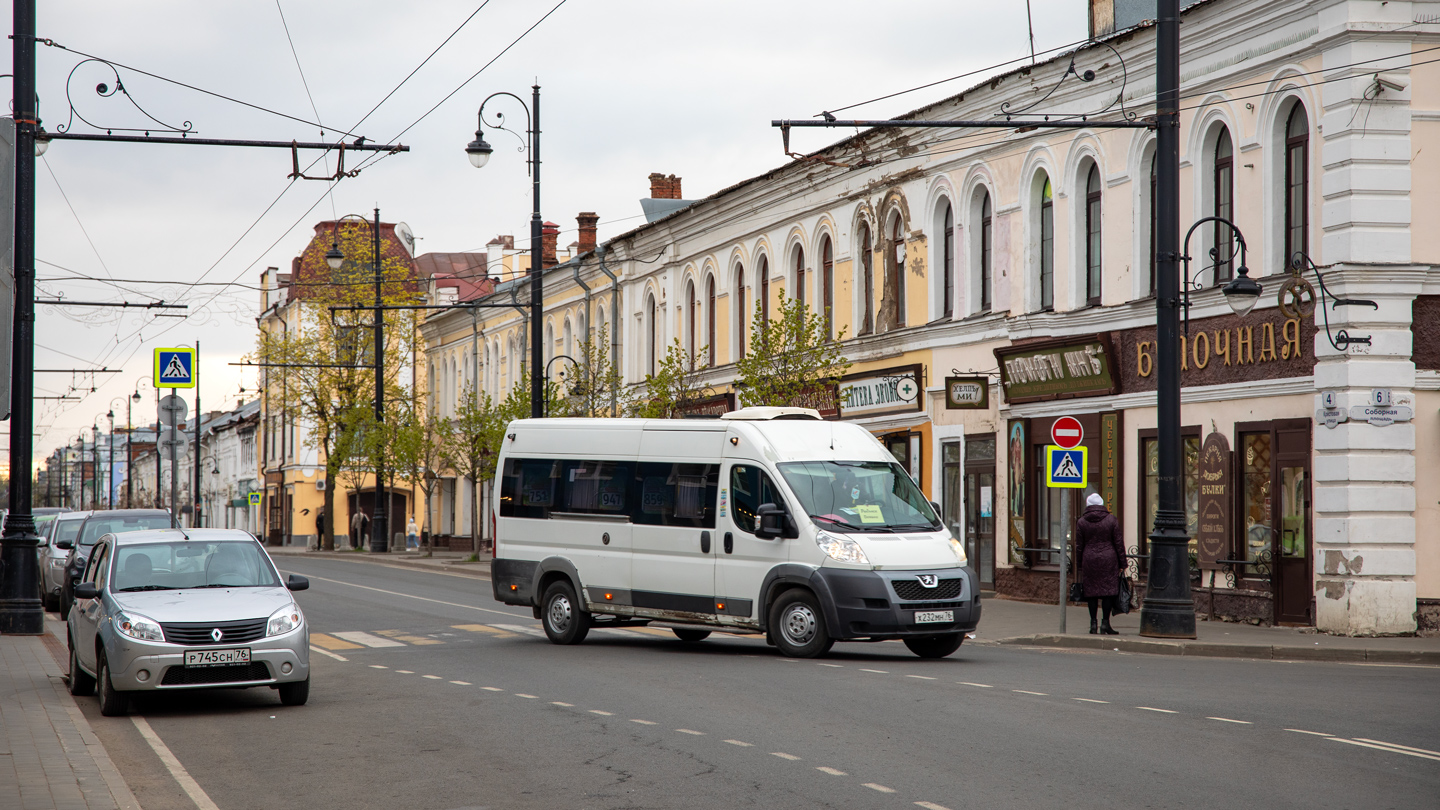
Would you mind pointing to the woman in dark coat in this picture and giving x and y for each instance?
(1102, 559)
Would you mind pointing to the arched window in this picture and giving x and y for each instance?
(741, 313)
(1297, 183)
(896, 281)
(764, 288)
(987, 229)
(568, 344)
(652, 338)
(800, 274)
(1154, 225)
(1092, 236)
(827, 285)
(1047, 247)
(691, 324)
(710, 322)
(1224, 182)
(867, 281)
(947, 258)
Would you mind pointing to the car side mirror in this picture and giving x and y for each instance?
(769, 520)
(936, 507)
(297, 583)
(64, 545)
(87, 590)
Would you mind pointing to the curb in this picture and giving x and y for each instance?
(1207, 650)
(464, 569)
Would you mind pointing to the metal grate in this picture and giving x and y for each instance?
(911, 589)
(239, 673)
(196, 634)
(934, 605)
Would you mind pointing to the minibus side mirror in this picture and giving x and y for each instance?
(771, 521)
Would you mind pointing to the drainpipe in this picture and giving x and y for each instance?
(614, 323)
(586, 288)
(524, 332)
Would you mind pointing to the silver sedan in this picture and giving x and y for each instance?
(183, 609)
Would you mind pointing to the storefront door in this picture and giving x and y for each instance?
(1275, 511)
(980, 507)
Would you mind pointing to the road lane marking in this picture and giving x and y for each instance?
(922, 677)
(837, 666)
(790, 660)
(408, 638)
(691, 731)
(406, 595)
(1152, 709)
(461, 683)
(644, 722)
(331, 643)
(432, 677)
(492, 689)
(406, 671)
(378, 666)
(876, 671)
(167, 758)
(880, 788)
(1028, 692)
(1385, 747)
(367, 640)
(562, 703)
(1090, 700)
(790, 757)
(1228, 720)
(831, 771)
(527, 697)
(313, 648)
(741, 744)
(1316, 733)
(618, 631)
(931, 806)
(1398, 745)
(605, 714)
(484, 628)
(981, 685)
(520, 628)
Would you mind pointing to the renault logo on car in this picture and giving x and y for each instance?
(217, 635)
(926, 580)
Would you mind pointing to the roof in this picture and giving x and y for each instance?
(153, 535)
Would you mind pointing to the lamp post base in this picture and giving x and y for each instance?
(1168, 610)
(21, 613)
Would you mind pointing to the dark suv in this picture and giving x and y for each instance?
(99, 524)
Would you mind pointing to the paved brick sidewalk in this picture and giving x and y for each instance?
(49, 757)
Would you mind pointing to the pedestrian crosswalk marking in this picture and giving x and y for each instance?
(520, 628)
(485, 628)
(401, 635)
(366, 639)
(331, 643)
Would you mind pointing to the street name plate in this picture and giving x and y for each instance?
(1331, 417)
(1382, 417)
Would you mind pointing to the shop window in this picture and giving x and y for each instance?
(1150, 497)
(1255, 519)
(905, 447)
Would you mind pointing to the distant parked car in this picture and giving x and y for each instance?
(178, 609)
(100, 523)
(63, 531)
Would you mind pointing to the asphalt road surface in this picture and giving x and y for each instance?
(435, 697)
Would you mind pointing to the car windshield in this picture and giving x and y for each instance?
(98, 526)
(67, 529)
(859, 496)
(192, 564)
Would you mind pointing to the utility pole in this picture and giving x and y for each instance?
(195, 497)
(174, 442)
(379, 531)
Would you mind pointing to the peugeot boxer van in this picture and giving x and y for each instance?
(766, 521)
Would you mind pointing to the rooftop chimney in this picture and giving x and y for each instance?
(664, 187)
(549, 234)
(587, 221)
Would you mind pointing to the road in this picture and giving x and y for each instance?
(435, 697)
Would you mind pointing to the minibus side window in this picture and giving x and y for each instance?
(749, 488)
(676, 494)
(529, 487)
(597, 487)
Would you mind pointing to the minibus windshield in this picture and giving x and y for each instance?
(859, 496)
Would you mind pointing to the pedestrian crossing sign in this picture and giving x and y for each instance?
(254, 499)
(174, 368)
(1065, 467)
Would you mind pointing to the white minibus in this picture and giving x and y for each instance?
(766, 521)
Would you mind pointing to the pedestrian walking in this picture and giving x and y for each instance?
(1101, 553)
(320, 528)
(357, 528)
(412, 534)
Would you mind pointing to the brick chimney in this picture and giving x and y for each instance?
(664, 187)
(549, 234)
(587, 221)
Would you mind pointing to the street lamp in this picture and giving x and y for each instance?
(110, 482)
(129, 451)
(334, 259)
(479, 153)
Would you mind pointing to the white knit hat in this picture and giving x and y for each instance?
(1094, 500)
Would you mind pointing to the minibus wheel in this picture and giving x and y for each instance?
(690, 635)
(935, 646)
(798, 625)
(565, 622)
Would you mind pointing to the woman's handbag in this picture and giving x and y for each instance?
(1077, 592)
(1122, 599)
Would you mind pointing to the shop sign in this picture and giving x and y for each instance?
(1110, 460)
(706, 406)
(873, 393)
(963, 393)
(1212, 537)
(1015, 469)
(1222, 350)
(819, 396)
(1057, 369)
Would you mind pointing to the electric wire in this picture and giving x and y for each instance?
(325, 156)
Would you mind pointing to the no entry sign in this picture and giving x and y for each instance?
(1066, 432)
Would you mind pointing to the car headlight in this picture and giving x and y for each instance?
(136, 626)
(57, 562)
(959, 549)
(283, 620)
(841, 548)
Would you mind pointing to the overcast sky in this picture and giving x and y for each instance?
(629, 87)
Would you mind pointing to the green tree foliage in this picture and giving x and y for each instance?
(594, 384)
(789, 357)
(676, 384)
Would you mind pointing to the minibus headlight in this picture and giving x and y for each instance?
(841, 548)
(959, 549)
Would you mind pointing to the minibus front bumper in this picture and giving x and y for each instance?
(898, 604)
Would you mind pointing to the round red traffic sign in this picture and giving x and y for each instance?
(1066, 432)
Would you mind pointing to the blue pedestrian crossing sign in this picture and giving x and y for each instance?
(174, 368)
(254, 499)
(1065, 467)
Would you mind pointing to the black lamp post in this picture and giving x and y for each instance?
(129, 452)
(479, 152)
(379, 533)
(110, 481)
(569, 389)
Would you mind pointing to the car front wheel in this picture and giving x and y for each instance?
(295, 693)
(112, 703)
(81, 685)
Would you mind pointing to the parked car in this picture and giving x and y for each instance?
(102, 522)
(184, 609)
(44, 517)
(63, 531)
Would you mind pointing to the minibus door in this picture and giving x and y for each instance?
(743, 559)
(674, 539)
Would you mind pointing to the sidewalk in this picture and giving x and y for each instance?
(49, 757)
(453, 562)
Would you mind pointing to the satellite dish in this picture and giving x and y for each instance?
(406, 236)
